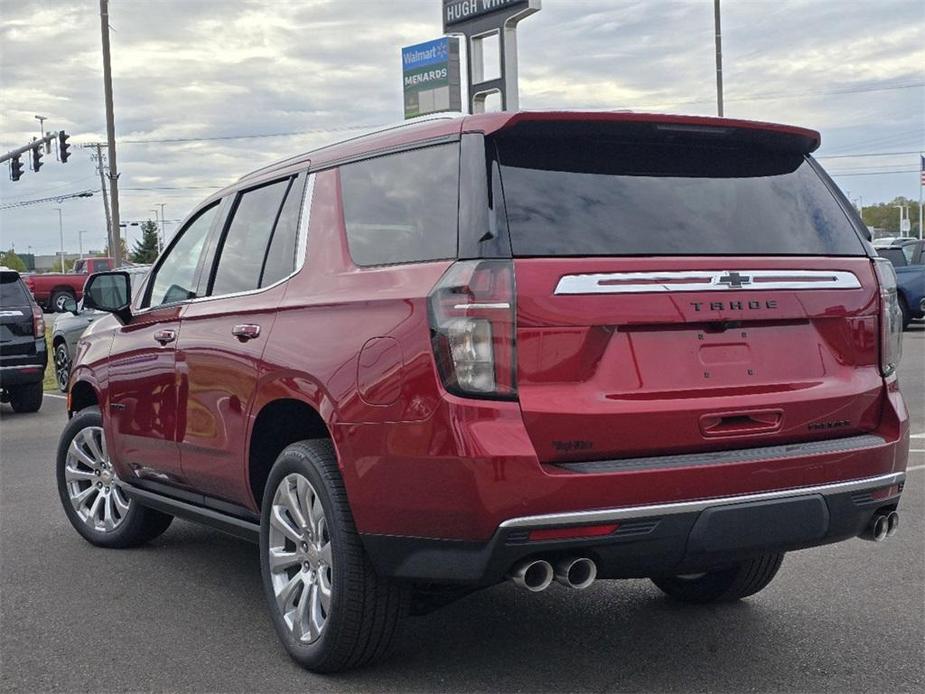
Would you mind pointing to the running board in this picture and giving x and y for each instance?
(232, 525)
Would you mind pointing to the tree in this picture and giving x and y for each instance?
(885, 215)
(12, 261)
(146, 248)
(68, 265)
(107, 254)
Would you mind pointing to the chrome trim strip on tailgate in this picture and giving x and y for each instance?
(619, 514)
(704, 281)
(740, 455)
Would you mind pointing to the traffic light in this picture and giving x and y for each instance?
(15, 168)
(63, 146)
(36, 157)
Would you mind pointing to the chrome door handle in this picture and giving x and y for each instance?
(165, 336)
(246, 331)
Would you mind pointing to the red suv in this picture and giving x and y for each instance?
(534, 346)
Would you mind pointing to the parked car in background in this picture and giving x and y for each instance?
(52, 289)
(73, 319)
(23, 354)
(908, 259)
(527, 346)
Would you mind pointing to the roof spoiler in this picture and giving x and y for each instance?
(655, 126)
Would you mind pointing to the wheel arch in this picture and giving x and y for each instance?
(279, 423)
(81, 395)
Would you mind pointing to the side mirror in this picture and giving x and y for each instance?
(110, 292)
(68, 305)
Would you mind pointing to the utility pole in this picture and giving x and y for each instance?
(100, 165)
(719, 59)
(114, 245)
(162, 239)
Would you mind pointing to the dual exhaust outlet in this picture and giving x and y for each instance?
(537, 575)
(881, 526)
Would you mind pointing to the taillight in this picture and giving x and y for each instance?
(472, 329)
(38, 321)
(891, 318)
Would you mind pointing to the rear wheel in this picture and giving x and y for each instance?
(329, 608)
(27, 398)
(726, 585)
(93, 498)
(62, 366)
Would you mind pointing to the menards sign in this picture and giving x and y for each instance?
(430, 77)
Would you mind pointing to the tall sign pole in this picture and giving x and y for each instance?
(719, 58)
(115, 248)
(480, 20)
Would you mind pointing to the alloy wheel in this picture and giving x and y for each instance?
(62, 366)
(92, 485)
(300, 558)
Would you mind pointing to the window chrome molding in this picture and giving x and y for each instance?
(705, 281)
(301, 242)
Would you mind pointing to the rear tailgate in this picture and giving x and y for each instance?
(17, 338)
(682, 289)
(607, 369)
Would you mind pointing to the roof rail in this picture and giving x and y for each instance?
(396, 126)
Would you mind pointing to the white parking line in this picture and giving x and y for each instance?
(917, 436)
(915, 467)
(55, 395)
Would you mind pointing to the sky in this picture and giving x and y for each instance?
(322, 70)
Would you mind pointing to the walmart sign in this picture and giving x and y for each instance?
(430, 74)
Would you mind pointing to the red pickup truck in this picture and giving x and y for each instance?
(52, 289)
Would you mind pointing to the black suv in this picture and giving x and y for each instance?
(22, 345)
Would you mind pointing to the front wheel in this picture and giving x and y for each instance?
(329, 608)
(907, 314)
(94, 501)
(726, 585)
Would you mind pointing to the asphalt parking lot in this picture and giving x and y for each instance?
(186, 613)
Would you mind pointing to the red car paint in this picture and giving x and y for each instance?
(45, 286)
(598, 376)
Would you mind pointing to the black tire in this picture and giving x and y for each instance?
(55, 303)
(27, 398)
(365, 610)
(136, 526)
(726, 585)
(907, 314)
(62, 365)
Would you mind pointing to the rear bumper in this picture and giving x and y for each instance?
(22, 374)
(655, 539)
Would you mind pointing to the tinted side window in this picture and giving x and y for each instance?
(402, 208)
(280, 260)
(175, 277)
(240, 258)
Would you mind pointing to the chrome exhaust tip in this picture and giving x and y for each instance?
(879, 528)
(892, 523)
(576, 572)
(533, 574)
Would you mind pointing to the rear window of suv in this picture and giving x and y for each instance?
(576, 197)
(12, 291)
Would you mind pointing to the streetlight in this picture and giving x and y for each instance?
(41, 120)
(80, 242)
(61, 235)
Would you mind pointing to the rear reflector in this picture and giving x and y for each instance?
(571, 532)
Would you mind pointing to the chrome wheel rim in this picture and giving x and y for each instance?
(92, 485)
(300, 560)
(62, 366)
(60, 301)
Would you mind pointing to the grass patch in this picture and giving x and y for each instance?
(49, 383)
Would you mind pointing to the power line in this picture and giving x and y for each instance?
(866, 154)
(54, 198)
(250, 136)
(872, 173)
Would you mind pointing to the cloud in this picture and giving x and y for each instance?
(215, 68)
